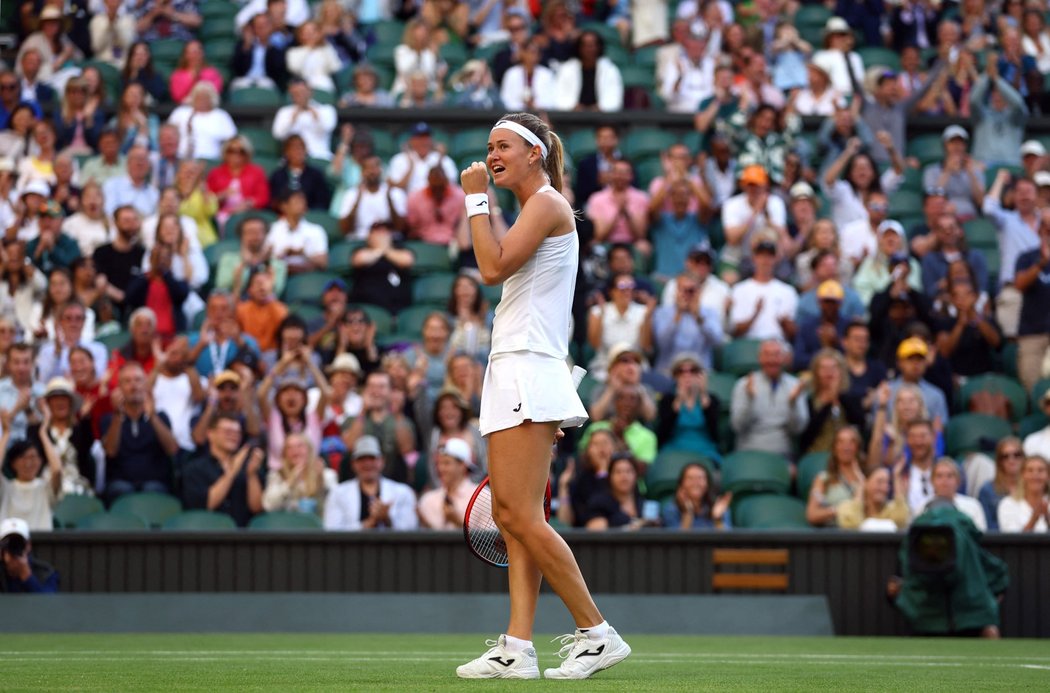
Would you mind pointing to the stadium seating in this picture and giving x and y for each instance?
(1032, 423)
(199, 520)
(808, 468)
(974, 432)
(433, 289)
(738, 357)
(768, 511)
(754, 471)
(71, 509)
(661, 479)
(380, 316)
(306, 287)
(290, 521)
(410, 320)
(153, 508)
(112, 522)
(429, 258)
(996, 384)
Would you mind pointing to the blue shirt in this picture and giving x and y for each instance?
(121, 191)
(671, 237)
(935, 268)
(809, 307)
(699, 336)
(1015, 237)
(224, 352)
(936, 404)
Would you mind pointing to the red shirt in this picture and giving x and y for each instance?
(254, 185)
(432, 221)
(158, 298)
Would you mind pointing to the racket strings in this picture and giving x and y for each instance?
(483, 533)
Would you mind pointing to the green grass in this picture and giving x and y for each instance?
(294, 662)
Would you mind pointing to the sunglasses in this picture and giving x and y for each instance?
(627, 286)
(1013, 454)
(878, 207)
(689, 369)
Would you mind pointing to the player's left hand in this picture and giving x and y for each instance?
(475, 178)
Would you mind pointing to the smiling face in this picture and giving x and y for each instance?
(509, 157)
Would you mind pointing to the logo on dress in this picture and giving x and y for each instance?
(518, 408)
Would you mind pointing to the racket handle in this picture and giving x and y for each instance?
(577, 376)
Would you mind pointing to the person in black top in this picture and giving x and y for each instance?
(227, 476)
(355, 334)
(117, 262)
(865, 373)
(21, 571)
(620, 505)
(382, 270)
(255, 44)
(970, 339)
(295, 175)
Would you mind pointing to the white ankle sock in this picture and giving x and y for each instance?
(517, 644)
(596, 632)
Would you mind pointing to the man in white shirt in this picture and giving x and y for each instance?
(763, 307)
(314, 122)
(1038, 443)
(919, 438)
(374, 200)
(445, 506)
(714, 293)
(370, 500)
(690, 79)
(409, 169)
(303, 245)
(859, 239)
(946, 483)
(749, 213)
(134, 188)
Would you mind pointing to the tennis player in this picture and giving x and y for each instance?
(528, 393)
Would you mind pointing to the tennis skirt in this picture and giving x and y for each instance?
(526, 386)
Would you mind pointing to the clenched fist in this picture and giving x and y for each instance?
(475, 178)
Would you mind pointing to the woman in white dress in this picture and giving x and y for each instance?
(202, 125)
(528, 394)
(1026, 509)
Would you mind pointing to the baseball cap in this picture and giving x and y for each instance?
(953, 131)
(345, 363)
(754, 175)
(366, 446)
(830, 290)
(14, 525)
(891, 225)
(801, 191)
(247, 357)
(836, 25)
(701, 250)
(227, 376)
(1041, 178)
(621, 349)
(458, 449)
(335, 283)
(912, 346)
(1033, 147)
(37, 187)
(420, 129)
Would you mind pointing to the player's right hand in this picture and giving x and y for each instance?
(475, 178)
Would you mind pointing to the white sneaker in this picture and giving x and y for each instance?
(585, 657)
(499, 663)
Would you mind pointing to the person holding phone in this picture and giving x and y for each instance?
(528, 394)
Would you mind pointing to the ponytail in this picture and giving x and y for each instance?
(554, 164)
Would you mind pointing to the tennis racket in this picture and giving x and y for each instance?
(479, 528)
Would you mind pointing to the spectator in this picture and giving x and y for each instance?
(1020, 71)
(382, 270)
(418, 52)
(472, 87)
(528, 84)
(77, 124)
(137, 439)
(290, 410)
(949, 245)
(714, 293)
(136, 125)
(60, 292)
(872, 509)
(53, 359)
(159, 290)
(589, 81)
(464, 374)
(860, 237)
(815, 236)
(112, 33)
(889, 269)
(296, 175)
(176, 386)
(203, 126)
(755, 86)
(920, 439)
(1025, 510)
(619, 211)
(188, 261)
(593, 171)
(254, 254)
(370, 500)
(687, 81)
(748, 215)
(468, 308)
(138, 69)
(290, 12)
(132, 188)
(946, 481)
(445, 506)
(767, 409)
(686, 326)
(366, 90)
(225, 477)
(23, 572)
(338, 25)
(886, 109)
(159, 19)
(451, 422)
(626, 422)
(825, 266)
(620, 260)
(51, 249)
(52, 45)
(238, 183)
(410, 169)
(619, 505)
(575, 490)
(825, 329)
(24, 491)
(141, 348)
(971, 340)
(261, 312)
(620, 321)
(373, 200)
(836, 133)
(302, 483)
(258, 60)
(688, 422)
(230, 395)
(959, 174)
(860, 180)
(29, 67)
(840, 483)
(344, 377)
(108, 164)
(302, 244)
(1032, 281)
(314, 122)
(1035, 40)
(395, 433)
(1009, 458)
(678, 228)
(830, 405)
(356, 335)
(64, 191)
(22, 288)
(760, 141)
(1038, 443)
(999, 115)
(197, 201)
(696, 503)
(865, 374)
(1018, 234)
(518, 25)
(763, 307)
(625, 371)
(191, 70)
(434, 212)
(86, 289)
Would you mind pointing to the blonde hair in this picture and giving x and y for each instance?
(312, 482)
(554, 164)
(1019, 491)
(840, 362)
(923, 411)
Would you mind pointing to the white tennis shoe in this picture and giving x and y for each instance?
(499, 663)
(585, 657)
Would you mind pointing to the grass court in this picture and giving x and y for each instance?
(298, 662)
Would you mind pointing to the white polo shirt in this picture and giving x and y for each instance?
(306, 239)
(778, 300)
(374, 207)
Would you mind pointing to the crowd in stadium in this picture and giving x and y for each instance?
(785, 324)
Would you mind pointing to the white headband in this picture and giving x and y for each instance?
(526, 134)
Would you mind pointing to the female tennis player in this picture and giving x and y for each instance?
(528, 393)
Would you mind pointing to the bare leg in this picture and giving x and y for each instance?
(519, 463)
(525, 578)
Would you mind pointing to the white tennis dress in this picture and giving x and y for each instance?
(527, 376)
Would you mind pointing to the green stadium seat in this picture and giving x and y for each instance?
(755, 471)
(1007, 356)
(981, 233)
(643, 142)
(307, 287)
(218, 8)
(110, 77)
(645, 57)
(410, 321)
(339, 254)
(152, 508)
(974, 432)
(993, 258)
(644, 172)
(489, 51)
(388, 32)
(608, 33)
(638, 76)
(235, 220)
(878, 56)
(721, 386)
(661, 479)
(812, 15)
(115, 340)
(766, 511)
(808, 468)
(905, 203)
(214, 252)
(433, 289)
(430, 257)
(330, 224)
(199, 520)
(267, 163)
(471, 144)
(739, 357)
(380, 317)
(580, 143)
(166, 51)
(926, 148)
(262, 139)
(492, 294)
(587, 388)
(255, 96)
(217, 28)
(439, 135)
(1038, 389)
(306, 311)
(285, 521)
(384, 143)
(1032, 423)
(71, 509)
(113, 522)
(220, 51)
(998, 384)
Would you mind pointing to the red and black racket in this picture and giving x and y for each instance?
(481, 532)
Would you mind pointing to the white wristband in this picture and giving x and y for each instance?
(477, 203)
